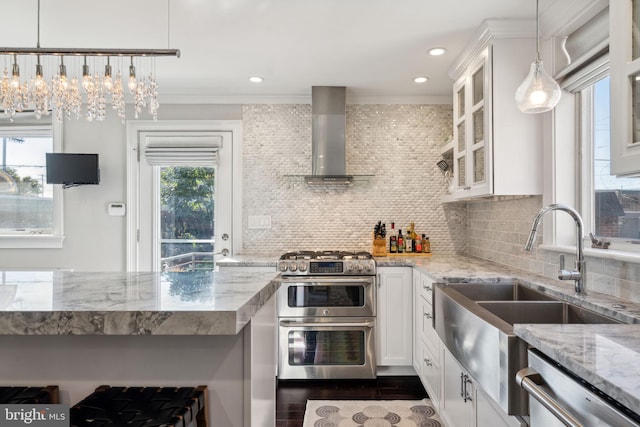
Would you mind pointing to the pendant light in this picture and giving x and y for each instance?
(539, 92)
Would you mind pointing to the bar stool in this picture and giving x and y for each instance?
(29, 395)
(142, 407)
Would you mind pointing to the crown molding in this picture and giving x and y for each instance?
(562, 18)
(489, 30)
(186, 98)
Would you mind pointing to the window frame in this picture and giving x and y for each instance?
(27, 240)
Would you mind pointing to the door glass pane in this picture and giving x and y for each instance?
(617, 199)
(187, 218)
(461, 137)
(461, 102)
(26, 200)
(478, 165)
(326, 348)
(478, 87)
(326, 296)
(461, 172)
(478, 126)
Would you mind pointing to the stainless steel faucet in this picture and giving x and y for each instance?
(579, 274)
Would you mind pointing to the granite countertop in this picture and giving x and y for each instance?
(111, 303)
(605, 356)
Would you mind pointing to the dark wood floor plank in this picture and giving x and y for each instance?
(292, 396)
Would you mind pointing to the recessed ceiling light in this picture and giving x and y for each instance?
(256, 79)
(421, 79)
(437, 51)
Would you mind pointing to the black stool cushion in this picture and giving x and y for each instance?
(138, 407)
(28, 395)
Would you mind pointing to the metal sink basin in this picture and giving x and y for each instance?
(499, 292)
(543, 312)
(475, 322)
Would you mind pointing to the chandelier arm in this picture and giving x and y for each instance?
(88, 52)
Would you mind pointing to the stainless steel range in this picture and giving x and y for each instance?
(327, 315)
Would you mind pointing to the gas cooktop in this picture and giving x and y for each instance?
(335, 263)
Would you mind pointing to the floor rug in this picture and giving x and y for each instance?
(371, 413)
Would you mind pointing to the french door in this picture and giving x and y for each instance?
(184, 200)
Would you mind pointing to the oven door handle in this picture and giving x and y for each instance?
(290, 323)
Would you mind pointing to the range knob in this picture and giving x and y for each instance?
(349, 267)
(360, 267)
(293, 266)
(282, 266)
(368, 267)
(302, 266)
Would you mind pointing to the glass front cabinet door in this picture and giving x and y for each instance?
(471, 130)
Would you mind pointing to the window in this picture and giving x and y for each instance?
(30, 209)
(615, 201)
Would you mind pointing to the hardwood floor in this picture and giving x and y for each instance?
(291, 396)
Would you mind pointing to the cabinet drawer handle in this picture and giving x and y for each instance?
(428, 362)
(462, 385)
(467, 396)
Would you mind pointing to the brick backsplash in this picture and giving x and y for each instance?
(498, 230)
(398, 145)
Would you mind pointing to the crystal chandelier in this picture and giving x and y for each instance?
(66, 93)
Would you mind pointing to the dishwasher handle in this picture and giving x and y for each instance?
(530, 380)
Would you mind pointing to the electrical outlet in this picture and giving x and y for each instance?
(259, 222)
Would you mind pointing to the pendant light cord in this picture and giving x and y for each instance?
(537, 32)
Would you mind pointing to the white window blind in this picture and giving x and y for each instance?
(586, 51)
(197, 150)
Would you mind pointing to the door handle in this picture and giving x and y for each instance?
(290, 323)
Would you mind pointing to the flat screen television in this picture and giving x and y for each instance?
(72, 169)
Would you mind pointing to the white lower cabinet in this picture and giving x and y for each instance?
(394, 326)
(457, 398)
(426, 360)
(464, 404)
(457, 407)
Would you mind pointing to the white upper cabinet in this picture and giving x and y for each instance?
(624, 53)
(496, 149)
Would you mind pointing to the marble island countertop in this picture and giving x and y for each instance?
(68, 303)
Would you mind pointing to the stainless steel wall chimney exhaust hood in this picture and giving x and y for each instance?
(328, 137)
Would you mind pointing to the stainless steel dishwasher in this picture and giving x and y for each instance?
(557, 398)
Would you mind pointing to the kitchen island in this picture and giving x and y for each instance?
(81, 330)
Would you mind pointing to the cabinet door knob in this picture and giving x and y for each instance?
(428, 315)
(428, 362)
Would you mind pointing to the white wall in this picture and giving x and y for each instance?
(94, 240)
